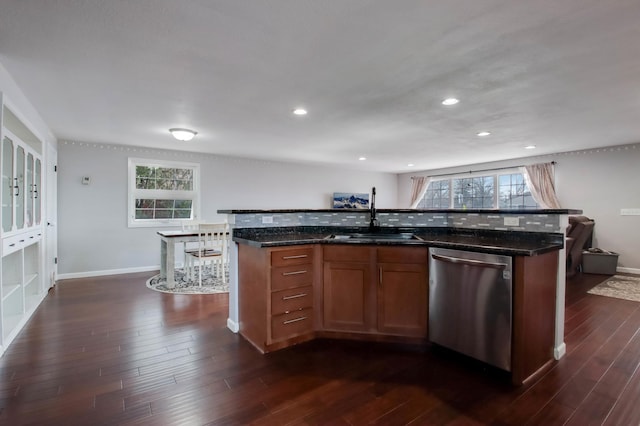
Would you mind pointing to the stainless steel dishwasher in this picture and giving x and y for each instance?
(470, 304)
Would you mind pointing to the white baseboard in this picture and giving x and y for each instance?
(560, 351)
(90, 274)
(232, 325)
(628, 270)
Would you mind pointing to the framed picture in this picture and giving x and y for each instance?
(348, 200)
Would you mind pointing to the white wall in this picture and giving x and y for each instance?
(600, 182)
(93, 233)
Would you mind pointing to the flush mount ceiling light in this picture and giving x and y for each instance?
(362, 158)
(300, 111)
(483, 134)
(183, 134)
(530, 147)
(410, 165)
(450, 101)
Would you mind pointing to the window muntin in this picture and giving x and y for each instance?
(437, 196)
(162, 193)
(479, 192)
(473, 193)
(514, 193)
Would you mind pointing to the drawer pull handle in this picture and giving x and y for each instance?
(299, 256)
(295, 296)
(294, 320)
(12, 244)
(294, 273)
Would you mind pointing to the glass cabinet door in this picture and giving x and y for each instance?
(37, 183)
(7, 184)
(19, 187)
(29, 199)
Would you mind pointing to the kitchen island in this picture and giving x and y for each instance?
(296, 283)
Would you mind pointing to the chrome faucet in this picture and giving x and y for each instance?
(373, 224)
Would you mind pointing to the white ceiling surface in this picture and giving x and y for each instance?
(559, 74)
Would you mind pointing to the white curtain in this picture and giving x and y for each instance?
(540, 180)
(419, 185)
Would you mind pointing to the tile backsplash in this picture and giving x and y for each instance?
(491, 220)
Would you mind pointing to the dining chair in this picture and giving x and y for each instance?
(189, 226)
(212, 250)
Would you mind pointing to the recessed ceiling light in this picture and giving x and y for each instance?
(410, 165)
(450, 101)
(300, 111)
(183, 134)
(483, 134)
(530, 147)
(362, 158)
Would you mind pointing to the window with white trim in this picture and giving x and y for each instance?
(162, 193)
(506, 190)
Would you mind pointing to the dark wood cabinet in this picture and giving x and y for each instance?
(534, 314)
(403, 296)
(276, 295)
(349, 299)
(377, 293)
(380, 290)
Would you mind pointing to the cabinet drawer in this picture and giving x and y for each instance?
(292, 324)
(296, 256)
(12, 244)
(291, 276)
(291, 300)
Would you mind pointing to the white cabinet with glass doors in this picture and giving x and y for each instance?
(22, 285)
(21, 183)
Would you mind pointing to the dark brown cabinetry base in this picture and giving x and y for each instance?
(276, 295)
(379, 290)
(292, 294)
(534, 314)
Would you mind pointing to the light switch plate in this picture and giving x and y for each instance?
(629, 212)
(512, 221)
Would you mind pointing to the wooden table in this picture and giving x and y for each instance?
(168, 241)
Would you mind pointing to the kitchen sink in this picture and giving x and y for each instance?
(374, 236)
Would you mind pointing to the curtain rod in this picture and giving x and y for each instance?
(478, 171)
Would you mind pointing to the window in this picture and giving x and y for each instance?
(162, 193)
(504, 190)
(514, 193)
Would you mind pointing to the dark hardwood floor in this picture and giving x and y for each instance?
(109, 351)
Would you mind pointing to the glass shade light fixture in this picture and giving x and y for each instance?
(183, 134)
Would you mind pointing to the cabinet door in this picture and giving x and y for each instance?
(37, 184)
(29, 191)
(19, 187)
(403, 299)
(349, 299)
(7, 184)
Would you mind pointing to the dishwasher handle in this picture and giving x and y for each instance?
(469, 262)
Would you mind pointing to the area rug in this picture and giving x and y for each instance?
(620, 287)
(210, 284)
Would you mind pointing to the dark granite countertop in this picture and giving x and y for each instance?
(512, 243)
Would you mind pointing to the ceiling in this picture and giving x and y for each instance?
(562, 75)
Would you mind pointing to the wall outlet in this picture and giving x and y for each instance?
(512, 221)
(267, 219)
(629, 212)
